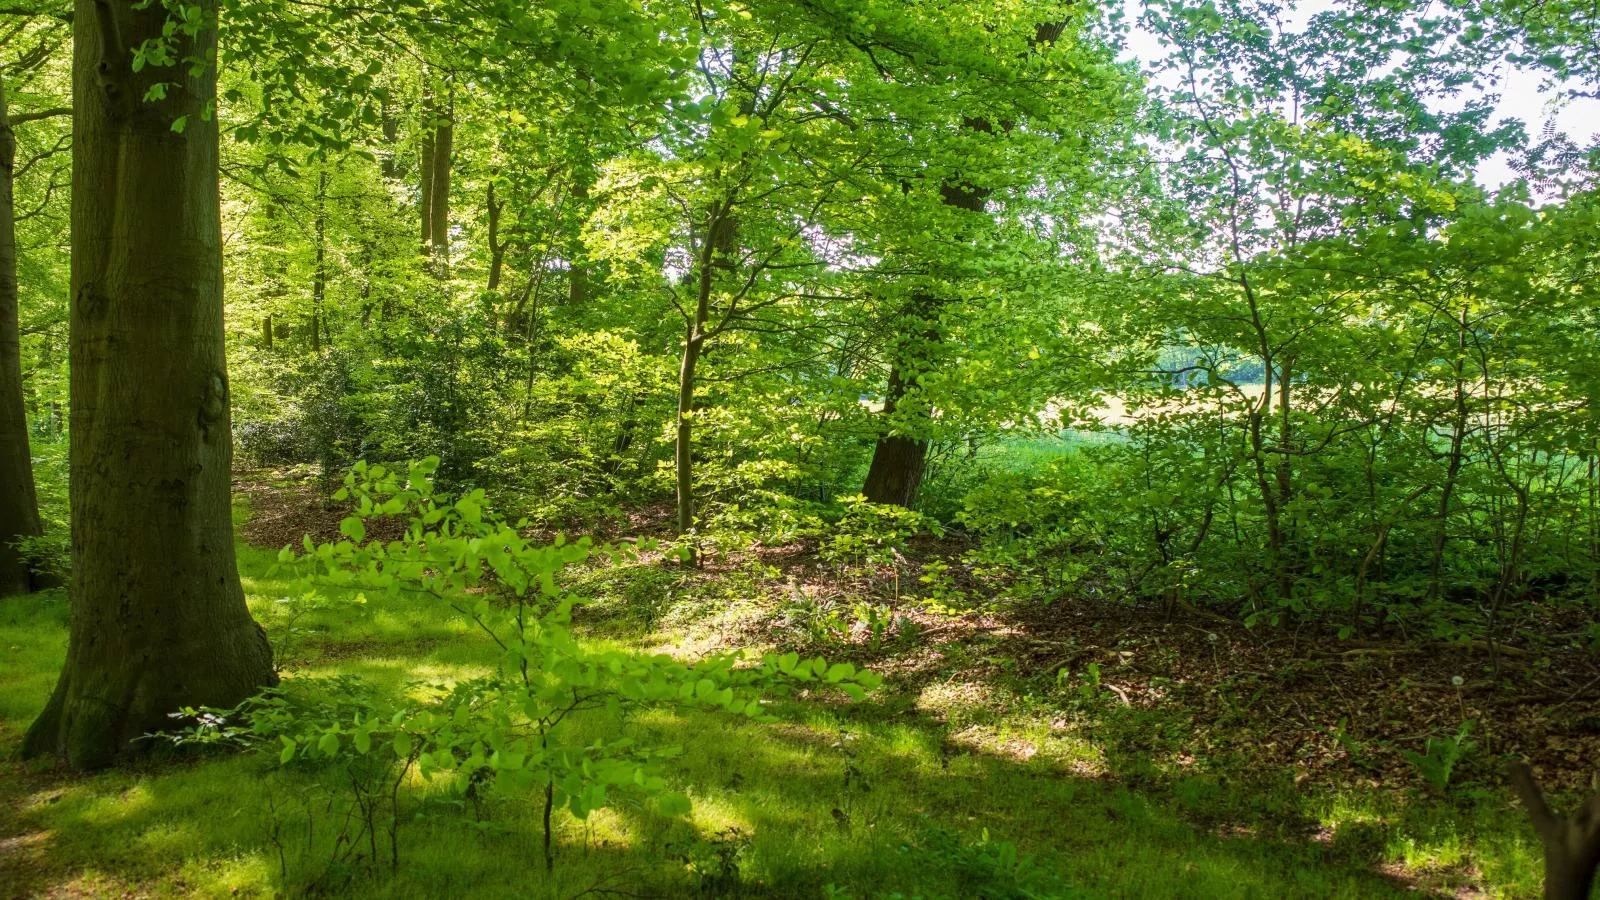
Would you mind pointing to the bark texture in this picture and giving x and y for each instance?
(158, 616)
(1571, 842)
(19, 506)
(900, 457)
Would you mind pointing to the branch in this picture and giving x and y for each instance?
(51, 113)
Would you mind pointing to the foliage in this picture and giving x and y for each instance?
(503, 731)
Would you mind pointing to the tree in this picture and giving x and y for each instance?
(159, 619)
(19, 506)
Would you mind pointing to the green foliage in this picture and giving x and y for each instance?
(503, 732)
(1437, 764)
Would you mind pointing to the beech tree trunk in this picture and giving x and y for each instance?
(443, 144)
(716, 253)
(898, 461)
(900, 458)
(158, 617)
(319, 273)
(19, 507)
(1571, 842)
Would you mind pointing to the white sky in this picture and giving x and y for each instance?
(1522, 95)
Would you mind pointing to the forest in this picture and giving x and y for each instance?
(849, 449)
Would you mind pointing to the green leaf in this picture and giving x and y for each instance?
(673, 804)
(353, 528)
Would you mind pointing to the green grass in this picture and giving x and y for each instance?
(872, 800)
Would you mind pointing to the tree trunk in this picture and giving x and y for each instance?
(319, 274)
(683, 448)
(497, 247)
(158, 618)
(898, 461)
(439, 204)
(717, 252)
(425, 154)
(578, 265)
(19, 507)
(1571, 842)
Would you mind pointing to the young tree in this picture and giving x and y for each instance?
(159, 619)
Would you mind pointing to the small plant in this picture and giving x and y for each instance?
(990, 869)
(1086, 686)
(940, 594)
(713, 865)
(873, 535)
(1437, 765)
(507, 731)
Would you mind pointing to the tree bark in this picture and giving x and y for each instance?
(900, 459)
(158, 618)
(497, 248)
(444, 130)
(19, 506)
(1571, 842)
(578, 265)
(319, 274)
(717, 252)
(425, 152)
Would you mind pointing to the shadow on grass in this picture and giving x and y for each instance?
(871, 799)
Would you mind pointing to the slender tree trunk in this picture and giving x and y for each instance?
(717, 252)
(19, 507)
(158, 617)
(319, 274)
(683, 445)
(390, 123)
(439, 204)
(578, 263)
(425, 154)
(497, 248)
(1456, 458)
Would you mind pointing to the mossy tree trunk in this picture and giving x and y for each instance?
(158, 616)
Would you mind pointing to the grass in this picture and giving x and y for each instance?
(917, 792)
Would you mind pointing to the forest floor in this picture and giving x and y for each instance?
(1079, 749)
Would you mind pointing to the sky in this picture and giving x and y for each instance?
(1523, 93)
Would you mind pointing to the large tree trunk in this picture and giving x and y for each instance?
(158, 618)
(19, 507)
(900, 459)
